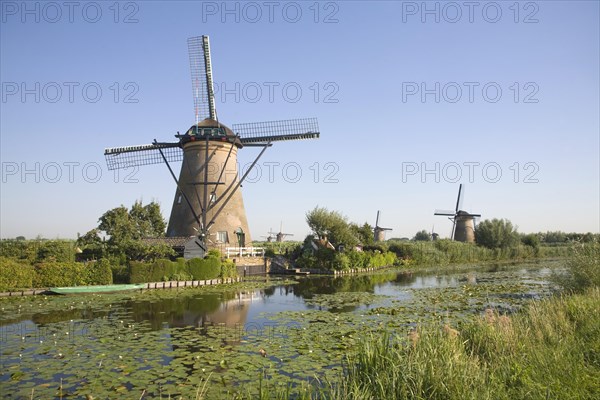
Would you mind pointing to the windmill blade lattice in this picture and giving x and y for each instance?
(445, 212)
(135, 156)
(272, 131)
(459, 200)
(202, 80)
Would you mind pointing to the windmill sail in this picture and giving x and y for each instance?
(202, 80)
(135, 156)
(459, 199)
(272, 131)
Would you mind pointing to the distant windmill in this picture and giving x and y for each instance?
(207, 194)
(270, 237)
(463, 223)
(379, 232)
(279, 236)
(434, 236)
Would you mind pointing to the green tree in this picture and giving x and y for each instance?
(422, 236)
(364, 233)
(554, 237)
(55, 250)
(117, 225)
(531, 239)
(92, 237)
(332, 224)
(141, 221)
(496, 233)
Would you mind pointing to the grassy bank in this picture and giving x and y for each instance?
(446, 252)
(550, 351)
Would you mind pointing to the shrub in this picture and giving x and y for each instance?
(215, 253)
(358, 259)
(583, 268)
(15, 275)
(120, 273)
(19, 249)
(99, 272)
(140, 272)
(56, 250)
(269, 252)
(136, 250)
(52, 273)
(497, 233)
(207, 268)
(341, 262)
(228, 269)
(402, 249)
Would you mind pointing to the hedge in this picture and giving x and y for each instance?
(210, 267)
(207, 268)
(159, 270)
(99, 272)
(228, 269)
(15, 275)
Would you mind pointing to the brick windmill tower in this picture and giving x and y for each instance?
(208, 204)
(463, 222)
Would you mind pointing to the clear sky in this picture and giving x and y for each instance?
(412, 98)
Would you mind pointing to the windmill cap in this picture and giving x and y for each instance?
(225, 132)
(462, 213)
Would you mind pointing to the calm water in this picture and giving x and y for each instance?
(38, 333)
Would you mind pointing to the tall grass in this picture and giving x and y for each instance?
(550, 351)
(583, 268)
(444, 252)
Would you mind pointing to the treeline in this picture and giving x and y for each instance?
(113, 252)
(444, 252)
(558, 237)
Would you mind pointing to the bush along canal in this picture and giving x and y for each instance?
(234, 340)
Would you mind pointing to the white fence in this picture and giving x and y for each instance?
(244, 252)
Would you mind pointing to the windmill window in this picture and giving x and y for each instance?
(222, 237)
(179, 199)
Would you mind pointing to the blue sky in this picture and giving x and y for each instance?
(412, 99)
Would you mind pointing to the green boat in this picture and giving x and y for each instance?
(97, 288)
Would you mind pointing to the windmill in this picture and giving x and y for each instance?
(208, 203)
(279, 236)
(434, 235)
(463, 223)
(270, 237)
(379, 232)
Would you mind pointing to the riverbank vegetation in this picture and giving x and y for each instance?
(551, 350)
(337, 244)
(548, 350)
(113, 252)
(444, 331)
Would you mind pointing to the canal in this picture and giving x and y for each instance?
(163, 343)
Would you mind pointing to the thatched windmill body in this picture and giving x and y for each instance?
(208, 203)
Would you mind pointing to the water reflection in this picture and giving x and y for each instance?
(238, 308)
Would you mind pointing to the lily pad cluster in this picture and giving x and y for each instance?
(230, 339)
